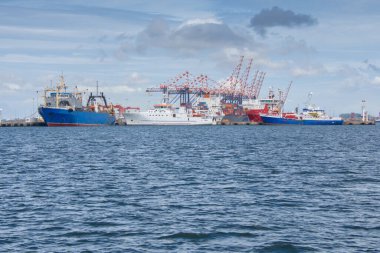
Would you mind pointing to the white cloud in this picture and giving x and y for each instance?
(308, 71)
(189, 38)
(120, 89)
(12, 86)
(45, 32)
(12, 83)
(259, 59)
(50, 59)
(110, 89)
(199, 21)
(137, 78)
(376, 80)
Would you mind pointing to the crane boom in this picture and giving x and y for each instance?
(259, 84)
(244, 78)
(287, 92)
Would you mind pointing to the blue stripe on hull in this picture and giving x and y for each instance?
(59, 116)
(282, 121)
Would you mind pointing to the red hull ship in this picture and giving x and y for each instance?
(256, 107)
(265, 106)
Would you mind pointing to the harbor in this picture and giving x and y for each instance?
(120, 122)
(187, 99)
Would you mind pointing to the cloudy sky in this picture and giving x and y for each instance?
(330, 48)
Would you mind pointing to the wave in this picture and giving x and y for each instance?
(202, 236)
(252, 227)
(361, 227)
(285, 247)
(84, 234)
(102, 224)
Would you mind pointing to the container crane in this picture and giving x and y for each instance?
(283, 96)
(259, 85)
(251, 87)
(234, 78)
(244, 77)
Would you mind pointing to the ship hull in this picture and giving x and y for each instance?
(141, 118)
(273, 120)
(254, 115)
(235, 119)
(65, 117)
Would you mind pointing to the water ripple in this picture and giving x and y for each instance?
(190, 189)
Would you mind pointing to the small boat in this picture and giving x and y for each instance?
(62, 108)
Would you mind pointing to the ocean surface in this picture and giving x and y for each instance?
(190, 189)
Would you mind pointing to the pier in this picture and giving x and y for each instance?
(21, 123)
(359, 122)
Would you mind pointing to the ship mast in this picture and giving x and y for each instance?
(60, 86)
(308, 102)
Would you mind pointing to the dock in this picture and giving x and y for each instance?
(21, 123)
(359, 122)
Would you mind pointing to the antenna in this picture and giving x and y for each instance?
(309, 96)
(37, 105)
(97, 88)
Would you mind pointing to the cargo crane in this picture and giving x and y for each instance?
(230, 84)
(243, 83)
(185, 88)
(244, 78)
(188, 89)
(171, 87)
(232, 98)
(283, 96)
(251, 88)
(234, 78)
(259, 84)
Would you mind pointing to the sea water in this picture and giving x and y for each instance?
(190, 189)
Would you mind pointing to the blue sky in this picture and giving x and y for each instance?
(330, 48)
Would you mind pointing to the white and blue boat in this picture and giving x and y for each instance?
(310, 115)
(300, 120)
(62, 108)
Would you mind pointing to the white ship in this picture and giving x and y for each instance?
(166, 114)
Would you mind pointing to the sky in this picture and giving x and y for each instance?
(329, 48)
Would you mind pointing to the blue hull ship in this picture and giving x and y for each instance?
(310, 115)
(68, 117)
(62, 108)
(277, 120)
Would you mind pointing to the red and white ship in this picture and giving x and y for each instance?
(254, 108)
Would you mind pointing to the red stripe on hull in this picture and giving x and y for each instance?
(70, 124)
